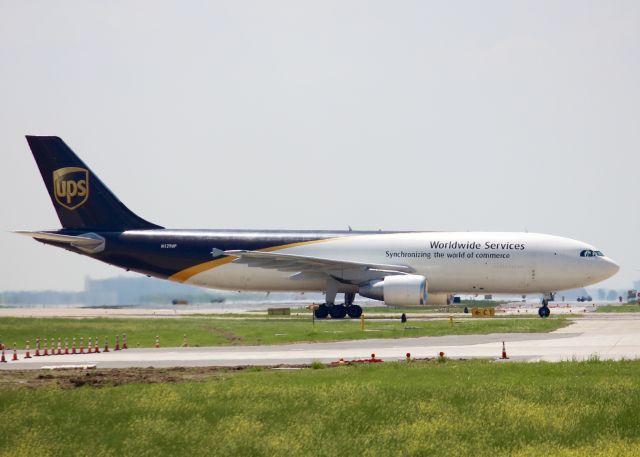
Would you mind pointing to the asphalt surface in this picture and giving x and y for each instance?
(607, 336)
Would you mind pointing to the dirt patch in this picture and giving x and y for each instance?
(227, 335)
(109, 377)
(68, 379)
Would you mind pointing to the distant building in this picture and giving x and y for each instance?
(115, 292)
(139, 290)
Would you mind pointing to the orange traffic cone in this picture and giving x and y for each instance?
(27, 355)
(82, 345)
(117, 348)
(37, 354)
(89, 348)
(15, 352)
(96, 349)
(106, 344)
(66, 346)
(157, 342)
(504, 352)
(3, 359)
(124, 341)
(73, 345)
(46, 347)
(59, 346)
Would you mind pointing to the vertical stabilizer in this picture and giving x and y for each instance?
(81, 200)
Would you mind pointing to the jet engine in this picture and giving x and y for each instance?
(400, 290)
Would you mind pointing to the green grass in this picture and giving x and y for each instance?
(413, 310)
(453, 408)
(628, 308)
(202, 331)
(457, 308)
(396, 309)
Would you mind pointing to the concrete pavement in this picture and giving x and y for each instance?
(607, 336)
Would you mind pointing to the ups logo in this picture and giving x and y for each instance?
(71, 186)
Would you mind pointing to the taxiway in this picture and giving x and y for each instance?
(606, 336)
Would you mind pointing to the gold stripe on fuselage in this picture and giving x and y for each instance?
(188, 273)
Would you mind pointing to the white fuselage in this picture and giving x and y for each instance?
(452, 262)
(97, 224)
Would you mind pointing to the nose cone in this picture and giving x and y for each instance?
(607, 267)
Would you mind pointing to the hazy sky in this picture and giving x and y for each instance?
(503, 116)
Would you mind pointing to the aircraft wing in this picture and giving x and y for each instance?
(304, 267)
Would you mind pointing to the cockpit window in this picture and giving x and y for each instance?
(590, 253)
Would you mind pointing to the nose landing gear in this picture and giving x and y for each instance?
(544, 310)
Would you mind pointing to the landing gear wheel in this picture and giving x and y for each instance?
(337, 311)
(322, 312)
(354, 311)
(544, 311)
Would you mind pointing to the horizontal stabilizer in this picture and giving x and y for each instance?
(87, 242)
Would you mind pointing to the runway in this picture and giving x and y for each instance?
(607, 336)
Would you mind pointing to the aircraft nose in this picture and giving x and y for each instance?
(609, 267)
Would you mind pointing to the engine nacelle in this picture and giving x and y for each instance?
(400, 290)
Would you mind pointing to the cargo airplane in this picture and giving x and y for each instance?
(399, 268)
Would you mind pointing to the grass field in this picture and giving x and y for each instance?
(202, 331)
(452, 309)
(454, 408)
(398, 310)
(412, 310)
(628, 308)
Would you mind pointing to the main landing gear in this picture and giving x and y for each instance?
(544, 310)
(339, 311)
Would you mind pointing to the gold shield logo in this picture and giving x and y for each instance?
(71, 186)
